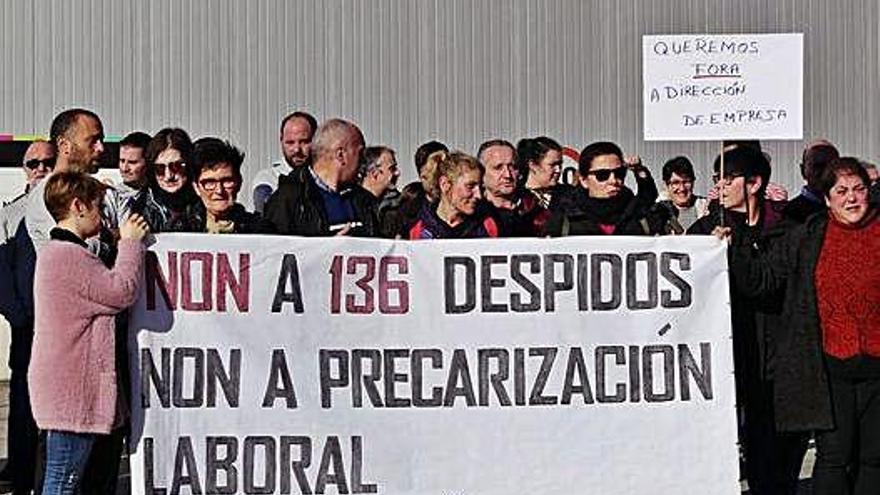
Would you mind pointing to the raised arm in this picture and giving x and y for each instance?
(117, 288)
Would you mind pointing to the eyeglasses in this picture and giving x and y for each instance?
(227, 183)
(678, 183)
(602, 175)
(728, 178)
(34, 163)
(176, 168)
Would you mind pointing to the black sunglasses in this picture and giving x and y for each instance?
(34, 163)
(177, 168)
(604, 174)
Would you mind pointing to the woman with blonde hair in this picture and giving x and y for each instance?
(457, 211)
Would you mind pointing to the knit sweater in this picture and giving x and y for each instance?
(72, 374)
(847, 277)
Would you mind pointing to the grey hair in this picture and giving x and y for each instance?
(332, 134)
(371, 158)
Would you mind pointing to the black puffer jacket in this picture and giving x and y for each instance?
(802, 207)
(296, 208)
(573, 212)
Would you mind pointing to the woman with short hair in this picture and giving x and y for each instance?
(684, 207)
(827, 379)
(75, 393)
(603, 205)
(216, 170)
(459, 212)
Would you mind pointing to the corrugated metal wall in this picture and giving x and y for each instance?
(411, 70)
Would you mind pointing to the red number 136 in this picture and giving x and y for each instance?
(363, 302)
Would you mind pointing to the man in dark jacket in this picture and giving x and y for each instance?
(379, 176)
(325, 199)
(773, 459)
(17, 259)
(519, 213)
(817, 156)
(397, 219)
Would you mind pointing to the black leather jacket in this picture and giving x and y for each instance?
(296, 208)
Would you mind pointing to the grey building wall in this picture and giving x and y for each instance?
(411, 70)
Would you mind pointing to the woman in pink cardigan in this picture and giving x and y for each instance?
(72, 377)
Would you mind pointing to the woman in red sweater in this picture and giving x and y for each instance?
(72, 377)
(827, 373)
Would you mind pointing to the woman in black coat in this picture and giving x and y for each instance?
(827, 377)
(216, 166)
(603, 205)
(169, 195)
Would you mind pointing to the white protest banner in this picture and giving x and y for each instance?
(716, 87)
(287, 365)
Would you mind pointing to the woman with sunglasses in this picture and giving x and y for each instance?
(169, 169)
(603, 205)
(216, 167)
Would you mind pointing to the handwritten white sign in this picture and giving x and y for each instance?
(715, 87)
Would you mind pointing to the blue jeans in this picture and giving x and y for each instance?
(66, 457)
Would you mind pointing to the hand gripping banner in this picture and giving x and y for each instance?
(280, 365)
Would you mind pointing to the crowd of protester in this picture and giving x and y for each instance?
(804, 272)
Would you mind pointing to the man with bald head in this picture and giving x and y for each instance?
(78, 136)
(38, 162)
(297, 132)
(324, 198)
